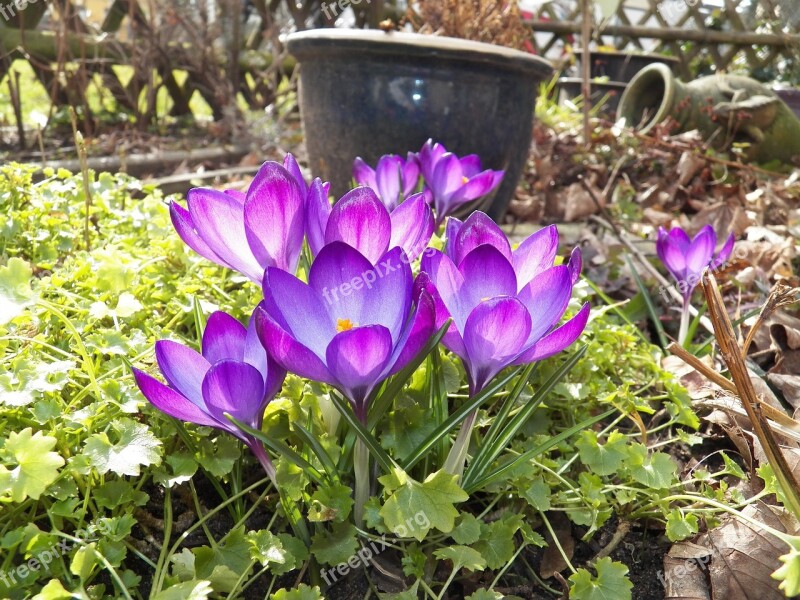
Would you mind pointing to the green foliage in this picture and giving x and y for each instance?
(82, 451)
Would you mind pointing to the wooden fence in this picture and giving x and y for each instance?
(761, 38)
(224, 62)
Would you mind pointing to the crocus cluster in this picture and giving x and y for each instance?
(358, 315)
(686, 259)
(451, 181)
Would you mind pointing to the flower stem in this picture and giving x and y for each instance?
(684, 330)
(361, 465)
(454, 463)
(293, 514)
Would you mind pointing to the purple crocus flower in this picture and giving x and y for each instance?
(356, 322)
(393, 178)
(361, 220)
(505, 304)
(233, 375)
(252, 231)
(687, 258)
(454, 181)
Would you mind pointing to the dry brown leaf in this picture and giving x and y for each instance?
(552, 560)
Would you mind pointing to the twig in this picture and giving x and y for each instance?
(731, 353)
(622, 530)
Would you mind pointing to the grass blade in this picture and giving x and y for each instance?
(651, 308)
(455, 418)
(362, 432)
(500, 471)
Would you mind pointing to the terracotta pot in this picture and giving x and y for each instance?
(368, 93)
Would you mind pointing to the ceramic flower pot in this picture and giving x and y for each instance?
(622, 66)
(368, 93)
(728, 109)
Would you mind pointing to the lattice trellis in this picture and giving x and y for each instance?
(740, 35)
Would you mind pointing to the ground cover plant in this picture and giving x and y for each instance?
(466, 467)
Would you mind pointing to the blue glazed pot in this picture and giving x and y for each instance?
(368, 93)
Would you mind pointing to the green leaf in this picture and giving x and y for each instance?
(611, 582)
(266, 548)
(483, 594)
(681, 526)
(656, 471)
(84, 562)
(335, 546)
(732, 467)
(497, 544)
(603, 459)
(188, 590)
(331, 503)
(218, 456)
(538, 494)
(15, 289)
(301, 592)
(135, 446)
(789, 573)
(467, 530)
(414, 508)
(53, 591)
(224, 564)
(34, 466)
(462, 557)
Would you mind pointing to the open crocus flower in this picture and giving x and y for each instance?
(505, 304)
(686, 259)
(232, 375)
(252, 231)
(361, 220)
(351, 326)
(454, 181)
(393, 178)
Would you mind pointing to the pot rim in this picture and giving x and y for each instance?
(310, 43)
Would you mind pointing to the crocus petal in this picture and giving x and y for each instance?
(171, 402)
(360, 220)
(494, 335)
(410, 174)
(452, 338)
(219, 219)
(536, 253)
(235, 388)
(358, 293)
(274, 217)
(477, 230)
(387, 180)
(451, 230)
(479, 185)
(546, 297)
(470, 165)
(701, 250)
(671, 249)
(290, 164)
(417, 333)
(318, 211)
(237, 195)
(224, 338)
(288, 352)
(447, 280)
(487, 274)
(182, 221)
(357, 357)
(429, 155)
(575, 264)
(557, 340)
(183, 368)
(255, 354)
(302, 310)
(447, 178)
(724, 254)
(363, 173)
(412, 226)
